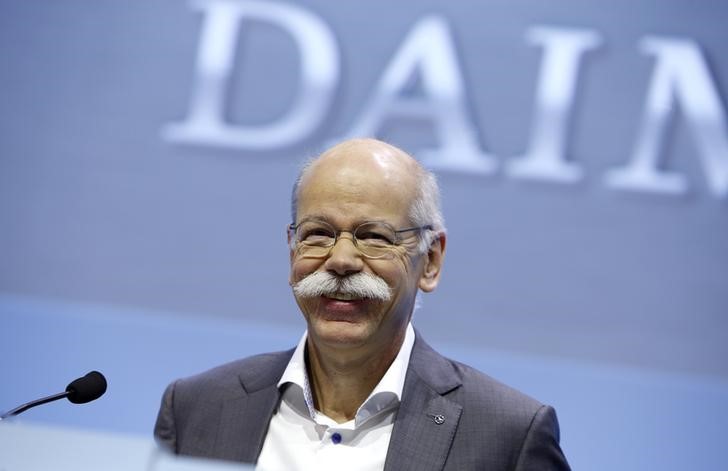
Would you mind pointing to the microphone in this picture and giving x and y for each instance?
(87, 388)
(79, 391)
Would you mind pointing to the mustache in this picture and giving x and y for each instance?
(360, 285)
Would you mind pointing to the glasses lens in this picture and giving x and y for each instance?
(375, 239)
(314, 238)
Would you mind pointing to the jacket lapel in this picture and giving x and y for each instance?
(243, 425)
(245, 418)
(426, 421)
(423, 430)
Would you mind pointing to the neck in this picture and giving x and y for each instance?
(340, 383)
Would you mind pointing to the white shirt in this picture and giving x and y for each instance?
(301, 438)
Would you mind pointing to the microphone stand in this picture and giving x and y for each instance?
(37, 402)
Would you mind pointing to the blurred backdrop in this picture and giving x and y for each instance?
(148, 148)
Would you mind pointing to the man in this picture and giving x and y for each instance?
(362, 390)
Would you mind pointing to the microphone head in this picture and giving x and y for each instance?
(86, 389)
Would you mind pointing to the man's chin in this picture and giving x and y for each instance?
(344, 333)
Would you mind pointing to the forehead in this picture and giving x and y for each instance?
(351, 187)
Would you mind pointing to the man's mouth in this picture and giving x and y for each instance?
(342, 297)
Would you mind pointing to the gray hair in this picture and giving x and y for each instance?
(425, 209)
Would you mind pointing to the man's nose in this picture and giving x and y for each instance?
(344, 257)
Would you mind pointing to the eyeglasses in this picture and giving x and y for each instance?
(314, 238)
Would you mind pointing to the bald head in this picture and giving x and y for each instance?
(371, 154)
(354, 164)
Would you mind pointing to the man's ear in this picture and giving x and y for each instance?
(433, 264)
(291, 256)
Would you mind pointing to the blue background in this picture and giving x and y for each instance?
(148, 260)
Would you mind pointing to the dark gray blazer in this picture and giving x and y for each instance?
(452, 417)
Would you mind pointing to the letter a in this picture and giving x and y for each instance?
(429, 50)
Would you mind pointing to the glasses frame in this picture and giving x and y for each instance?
(293, 243)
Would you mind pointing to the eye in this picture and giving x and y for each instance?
(375, 235)
(315, 234)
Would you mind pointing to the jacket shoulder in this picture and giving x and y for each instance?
(222, 412)
(252, 373)
(483, 399)
(466, 384)
(521, 432)
(480, 387)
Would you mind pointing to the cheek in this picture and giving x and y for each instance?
(302, 267)
(402, 272)
(393, 272)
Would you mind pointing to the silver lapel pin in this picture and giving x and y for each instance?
(439, 419)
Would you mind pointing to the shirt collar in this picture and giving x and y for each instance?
(385, 395)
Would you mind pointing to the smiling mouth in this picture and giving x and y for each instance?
(342, 297)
